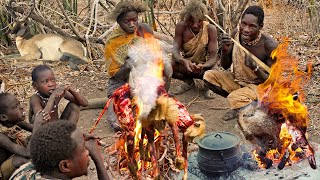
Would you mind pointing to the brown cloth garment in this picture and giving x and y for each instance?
(195, 49)
(18, 136)
(241, 83)
(242, 73)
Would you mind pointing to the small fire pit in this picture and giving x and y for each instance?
(249, 169)
(278, 122)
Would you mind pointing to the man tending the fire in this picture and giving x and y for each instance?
(279, 94)
(137, 92)
(239, 86)
(128, 31)
(140, 101)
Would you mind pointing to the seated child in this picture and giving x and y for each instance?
(14, 135)
(60, 151)
(48, 96)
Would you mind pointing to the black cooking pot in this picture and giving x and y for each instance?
(219, 152)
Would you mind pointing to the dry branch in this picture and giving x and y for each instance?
(2, 86)
(69, 21)
(48, 24)
(96, 103)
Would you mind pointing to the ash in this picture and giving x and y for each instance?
(249, 170)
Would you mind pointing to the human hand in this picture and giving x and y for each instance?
(46, 116)
(59, 92)
(225, 41)
(88, 136)
(92, 144)
(201, 66)
(42, 117)
(250, 62)
(198, 68)
(190, 66)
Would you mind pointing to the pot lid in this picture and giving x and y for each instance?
(218, 141)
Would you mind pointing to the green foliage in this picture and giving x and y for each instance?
(5, 23)
(71, 6)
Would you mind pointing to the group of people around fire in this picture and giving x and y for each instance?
(50, 146)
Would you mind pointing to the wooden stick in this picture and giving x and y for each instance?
(258, 61)
(2, 86)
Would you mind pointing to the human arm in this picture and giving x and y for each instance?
(177, 46)
(123, 73)
(212, 48)
(51, 105)
(93, 147)
(226, 52)
(14, 148)
(39, 120)
(75, 97)
(36, 107)
(25, 125)
(145, 28)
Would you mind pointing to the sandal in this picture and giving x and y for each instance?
(210, 94)
(183, 88)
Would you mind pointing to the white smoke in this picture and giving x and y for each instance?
(143, 78)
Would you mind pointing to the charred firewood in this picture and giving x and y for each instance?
(266, 161)
(283, 161)
(143, 153)
(294, 146)
(312, 162)
(300, 155)
(262, 153)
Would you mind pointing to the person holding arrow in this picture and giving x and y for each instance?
(240, 85)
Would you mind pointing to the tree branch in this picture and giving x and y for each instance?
(67, 18)
(47, 23)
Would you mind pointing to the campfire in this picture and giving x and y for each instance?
(150, 119)
(281, 96)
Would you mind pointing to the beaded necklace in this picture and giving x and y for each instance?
(253, 42)
(45, 100)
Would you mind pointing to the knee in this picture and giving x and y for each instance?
(208, 75)
(73, 106)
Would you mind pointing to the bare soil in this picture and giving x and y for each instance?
(91, 81)
(279, 22)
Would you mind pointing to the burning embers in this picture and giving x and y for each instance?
(144, 108)
(281, 97)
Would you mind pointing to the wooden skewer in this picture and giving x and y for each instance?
(258, 61)
(2, 86)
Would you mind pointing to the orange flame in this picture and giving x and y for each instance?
(156, 71)
(282, 94)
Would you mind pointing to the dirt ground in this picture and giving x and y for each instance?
(92, 82)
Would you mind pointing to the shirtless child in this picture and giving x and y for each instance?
(14, 135)
(69, 161)
(48, 96)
